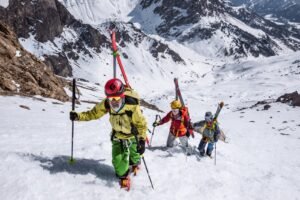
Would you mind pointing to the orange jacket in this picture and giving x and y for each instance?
(179, 123)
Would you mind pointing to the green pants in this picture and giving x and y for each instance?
(123, 154)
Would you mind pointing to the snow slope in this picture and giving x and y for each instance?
(4, 3)
(96, 12)
(140, 64)
(257, 163)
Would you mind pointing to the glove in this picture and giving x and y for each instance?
(191, 126)
(141, 147)
(189, 133)
(216, 137)
(155, 124)
(74, 116)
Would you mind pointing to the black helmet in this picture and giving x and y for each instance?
(209, 117)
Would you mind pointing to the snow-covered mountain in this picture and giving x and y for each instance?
(70, 47)
(283, 10)
(227, 30)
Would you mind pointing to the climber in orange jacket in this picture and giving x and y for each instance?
(180, 125)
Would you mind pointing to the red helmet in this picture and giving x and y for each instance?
(114, 88)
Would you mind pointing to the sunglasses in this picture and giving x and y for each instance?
(208, 119)
(114, 98)
(175, 110)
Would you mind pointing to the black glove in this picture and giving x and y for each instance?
(191, 126)
(216, 137)
(191, 132)
(187, 134)
(155, 124)
(73, 116)
(141, 147)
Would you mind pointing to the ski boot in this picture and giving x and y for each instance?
(202, 153)
(209, 155)
(125, 183)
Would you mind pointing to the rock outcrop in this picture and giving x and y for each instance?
(22, 73)
(291, 98)
(46, 20)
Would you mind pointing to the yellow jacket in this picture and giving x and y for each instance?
(121, 121)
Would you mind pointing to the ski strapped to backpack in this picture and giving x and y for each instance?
(117, 58)
(177, 92)
(179, 96)
(220, 106)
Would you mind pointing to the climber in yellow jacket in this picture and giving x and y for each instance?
(125, 114)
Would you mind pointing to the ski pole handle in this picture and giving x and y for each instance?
(156, 118)
(221, 104)
(73, 94)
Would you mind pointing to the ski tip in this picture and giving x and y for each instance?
(221, 104)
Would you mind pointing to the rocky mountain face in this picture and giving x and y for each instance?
(22, 73)
(48, 20)
(292, 98)
(192, 21)
(282, 9)
(129, 34)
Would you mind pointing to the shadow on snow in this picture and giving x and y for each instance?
(59, 164)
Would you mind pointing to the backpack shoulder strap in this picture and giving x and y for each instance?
(106, 104)
(129, 113)
(131, 100)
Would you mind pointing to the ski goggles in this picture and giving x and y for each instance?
(114, 98)
(175, 111)
(208, 119)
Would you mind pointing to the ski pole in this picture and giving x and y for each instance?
(215, 153)
(156, 118)
(135, 133)
(186, 149)
(147, 139)
(147, 171)
(73, 109)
